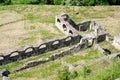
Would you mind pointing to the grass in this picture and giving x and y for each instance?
(89, 31)
(85, 55)
(109, 46)
(110, 72)
(45, 71)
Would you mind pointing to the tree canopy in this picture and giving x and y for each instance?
(63, 2)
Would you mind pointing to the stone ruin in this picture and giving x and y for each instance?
(40, 48)
(116, 41)
(4, 74)
(75, 34)
(69, 27)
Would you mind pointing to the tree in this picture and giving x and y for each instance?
(50, 2)
(57, 2)
(112, 2)
(7, 2)
(1, 1)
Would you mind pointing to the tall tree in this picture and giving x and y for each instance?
(7, 2)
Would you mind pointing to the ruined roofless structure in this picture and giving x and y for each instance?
(74, 33)
(69, 27)
(77, 33)
(116, 41)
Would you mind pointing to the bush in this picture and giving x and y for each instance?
(64, 2)
(66, 75)
(57, 2)
(6, 2)
(112, 2)
(86, 71)
(25, 1)
(73, 74)
(1, 1)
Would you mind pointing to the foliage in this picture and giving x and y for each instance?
(107, 73)
(1, 1)
(86, 71)
(63, 2)
(25, 1)
(66, 75)
(113, 1)
(6, 2)
(63, 74)
(57, 2)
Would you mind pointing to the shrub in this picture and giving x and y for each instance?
(73, 74)
(64, 74)
(57, 2)
(1, 1)
(7, 2)
(86, 71)
(25, 1)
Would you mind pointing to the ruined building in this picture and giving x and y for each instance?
(116, 41)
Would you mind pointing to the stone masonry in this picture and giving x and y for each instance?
(74, 34)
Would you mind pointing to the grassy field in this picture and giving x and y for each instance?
(22, 25)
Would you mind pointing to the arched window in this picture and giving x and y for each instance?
(58, 20)
(42, 46)
(28, 50)
(68, 39)
(14, 54)
(1, 58)
(55, 42)
(64, 27)
(70, 32)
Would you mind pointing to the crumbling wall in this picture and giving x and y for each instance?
(78, 47)
(116, 42)
(38, 49)
(100, 49)
(83, 26)
(66, 24)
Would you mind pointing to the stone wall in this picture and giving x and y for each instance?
(38, 49)
(83, 26)
(100, 49)
(67, 26)
(78, 47)
(116, 41)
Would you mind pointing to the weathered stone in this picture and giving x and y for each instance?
(116, 41)
(4, 72)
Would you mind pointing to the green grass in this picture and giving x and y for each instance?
(89, 31)
(91, 54)
(40, 72)
(109, 46)
(110, 72)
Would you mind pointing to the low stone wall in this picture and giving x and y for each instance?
(78, 47)
(101, 50)
(109, 58)
(38, 49)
